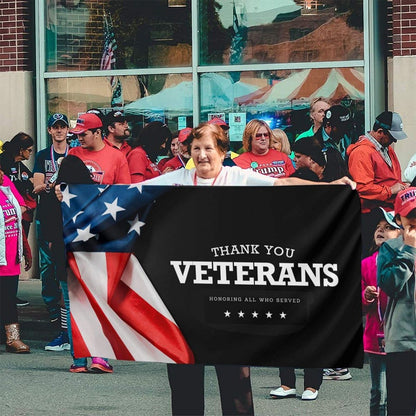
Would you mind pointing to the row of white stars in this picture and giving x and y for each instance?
(255, 314)
(67, 196)
(112, 209)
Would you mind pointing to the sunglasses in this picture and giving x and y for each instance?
(260, 135)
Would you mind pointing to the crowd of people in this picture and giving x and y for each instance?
(102, 149)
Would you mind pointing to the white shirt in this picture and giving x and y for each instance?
(229, 176)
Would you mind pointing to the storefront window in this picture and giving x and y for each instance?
(268, 31)
(282, 98)
(143, 34)
(167, 98)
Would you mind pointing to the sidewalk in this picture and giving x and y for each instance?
(34, 318)
(40, 383)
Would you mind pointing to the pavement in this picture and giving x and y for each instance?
(40, 383)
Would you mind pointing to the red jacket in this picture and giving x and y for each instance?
(373, 175)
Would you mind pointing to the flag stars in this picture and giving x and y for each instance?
(135, 225)
(269, 315)
(255, 314)
(113, 208)
(227, 314)
(241, 314)
(282, 315)
(84, 235)
(137, 186)
(66, 196)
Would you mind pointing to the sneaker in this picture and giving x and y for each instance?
(60, 343)
(78, 369)
(337, 374)
(100, 365)
(21, 302)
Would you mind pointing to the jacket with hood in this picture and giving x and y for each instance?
(373, 175)
(396, 277)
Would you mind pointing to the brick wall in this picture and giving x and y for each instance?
(15, 35)
(404, 27)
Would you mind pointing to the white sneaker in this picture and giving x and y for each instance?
(281, 393)
(309, 395)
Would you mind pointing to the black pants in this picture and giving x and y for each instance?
(401, 383)
(8, 291)
(313, 377)
(187, 388)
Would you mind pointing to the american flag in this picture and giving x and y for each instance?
(237, 44)
(115, 310)
(108, 60)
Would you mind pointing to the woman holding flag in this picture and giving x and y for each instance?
(207, 145)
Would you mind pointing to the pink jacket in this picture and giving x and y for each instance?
(373, 310)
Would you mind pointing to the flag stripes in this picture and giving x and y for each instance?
(131, 327)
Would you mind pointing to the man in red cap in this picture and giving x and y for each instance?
(106, 164)
(180, 160)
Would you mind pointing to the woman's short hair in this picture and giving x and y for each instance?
(220, 137)
(250, 131)
(281, 136)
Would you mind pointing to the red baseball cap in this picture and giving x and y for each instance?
(183, 134)
(405, 201)
(220, 122)
(86, 122)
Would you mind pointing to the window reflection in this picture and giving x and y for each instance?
(166, 98)
(148, 33)
(251, 31)
(282, 98)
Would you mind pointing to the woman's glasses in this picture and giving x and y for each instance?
(260, 135)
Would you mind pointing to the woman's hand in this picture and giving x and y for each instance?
(345, 180)
(58, 193)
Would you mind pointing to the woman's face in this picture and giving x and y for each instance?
(174, 146)
(276, 144)
(206, 156)
(260, 142)
(384, 231)
(25, 153)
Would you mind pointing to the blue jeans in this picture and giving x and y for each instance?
(51, 292)
(80, 362)
(378, 399)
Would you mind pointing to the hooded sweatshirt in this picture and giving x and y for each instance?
(373, 175)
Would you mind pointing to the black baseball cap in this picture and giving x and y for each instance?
(337, 115)
(115, 116)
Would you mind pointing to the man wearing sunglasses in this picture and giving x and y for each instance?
(374, 165)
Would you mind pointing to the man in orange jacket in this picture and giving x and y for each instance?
(373, 164)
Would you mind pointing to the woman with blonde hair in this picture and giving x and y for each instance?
(259, 155)
(280, 142)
